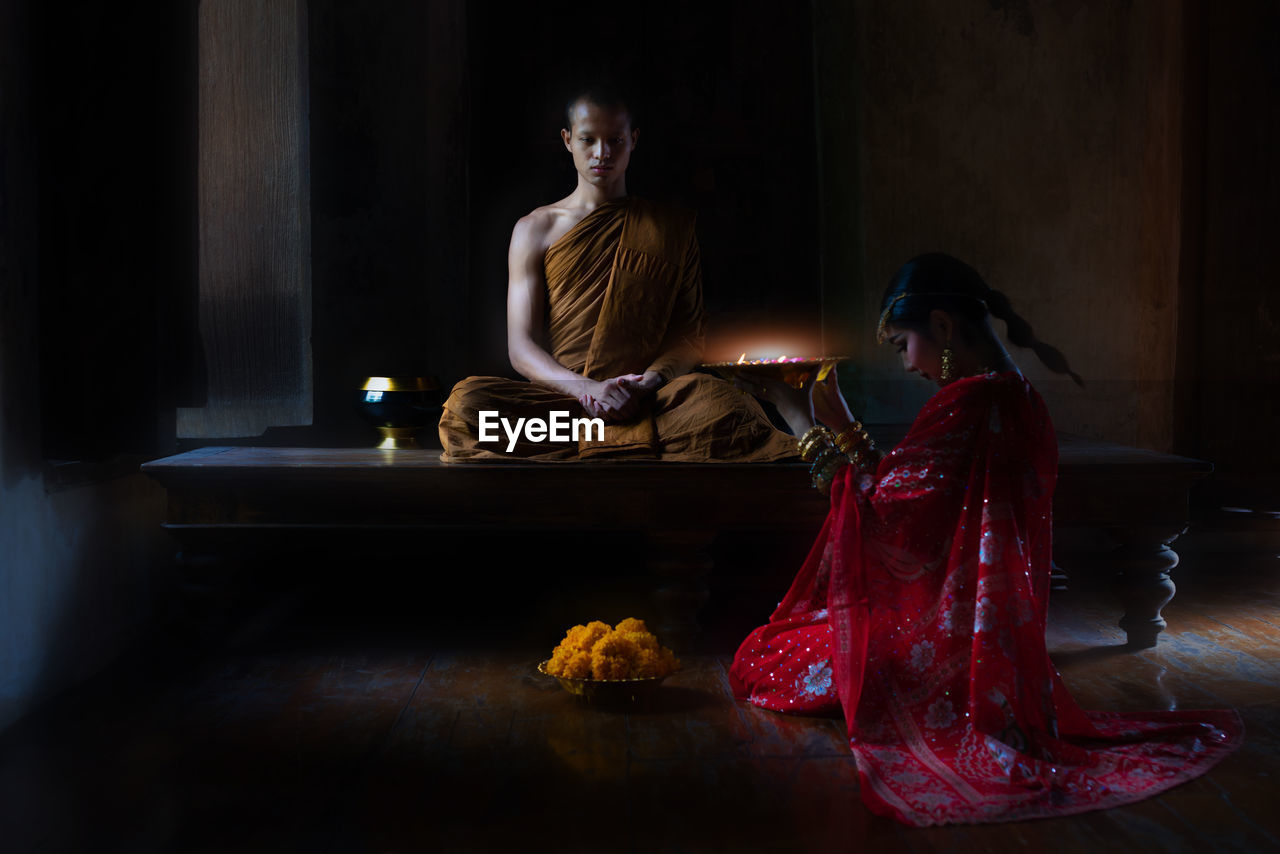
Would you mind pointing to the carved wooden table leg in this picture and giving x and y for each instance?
(1144, 560)
(681, 562)
(1058, 579)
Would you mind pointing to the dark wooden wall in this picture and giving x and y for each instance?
(112, 113)
(371, 196)
(1110, 166)
(1237, 364)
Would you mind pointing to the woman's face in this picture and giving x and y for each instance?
(920, 353)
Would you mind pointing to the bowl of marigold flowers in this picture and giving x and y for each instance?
(599, 663)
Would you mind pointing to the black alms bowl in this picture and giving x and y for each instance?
(399, 407)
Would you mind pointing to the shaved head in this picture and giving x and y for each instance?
(602, 94)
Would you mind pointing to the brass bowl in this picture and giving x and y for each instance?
(608, 691)
(400, 407)
(796, 372)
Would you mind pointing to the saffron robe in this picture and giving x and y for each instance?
(920, 613)
(624, 295)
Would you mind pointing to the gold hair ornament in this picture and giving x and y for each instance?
(888, 309)
(884, 316)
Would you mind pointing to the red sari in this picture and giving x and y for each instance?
(921, 613)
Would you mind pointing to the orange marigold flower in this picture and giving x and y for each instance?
(655, 662)
(584, 637)
(631, 624)
(571, 637)
(642, 640)
(595, 651)
(613, 657)
(560, 658)
(616, 645)
(578, 666)
(609, 666)
(648, 663)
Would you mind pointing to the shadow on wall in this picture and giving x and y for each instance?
(79, 567)
(83, 572)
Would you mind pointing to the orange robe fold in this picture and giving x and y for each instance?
(624, 295)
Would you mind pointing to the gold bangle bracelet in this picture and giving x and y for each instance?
(830, 469)
(850, 442)
(826, 476)
(824, 457)
(853, 436)
(809, 443)
(814, 448)
(816, 432)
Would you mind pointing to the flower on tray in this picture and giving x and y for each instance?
(626, 651)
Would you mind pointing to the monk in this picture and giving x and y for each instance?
(605, 319)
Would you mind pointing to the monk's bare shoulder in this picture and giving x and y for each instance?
(534, 224)
(543, 226)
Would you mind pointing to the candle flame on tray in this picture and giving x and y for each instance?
(742, 360)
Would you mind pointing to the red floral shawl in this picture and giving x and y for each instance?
(937, 595)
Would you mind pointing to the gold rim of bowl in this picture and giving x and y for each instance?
(399, 384)
(542, 668)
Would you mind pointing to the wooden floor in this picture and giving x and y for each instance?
(337, 728)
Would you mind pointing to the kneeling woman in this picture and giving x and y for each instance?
(920, 611)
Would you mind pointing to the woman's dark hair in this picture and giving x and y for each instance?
(939, 281)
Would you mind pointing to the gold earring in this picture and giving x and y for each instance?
(948, 364)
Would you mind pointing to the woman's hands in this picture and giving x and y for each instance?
(801, 408)
(829, 405)
(794, 404)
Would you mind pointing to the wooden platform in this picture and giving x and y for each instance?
(218, 495)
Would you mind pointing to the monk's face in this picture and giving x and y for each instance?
(601, 141)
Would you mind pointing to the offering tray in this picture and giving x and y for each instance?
(795, 371)
(607, 691)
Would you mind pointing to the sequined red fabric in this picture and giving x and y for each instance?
(921, 613)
